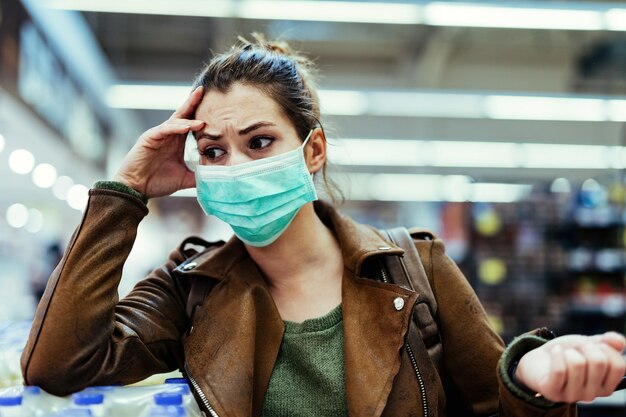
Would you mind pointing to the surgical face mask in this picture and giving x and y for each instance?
(258, 199)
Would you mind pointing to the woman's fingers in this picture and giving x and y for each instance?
(554, 382)
(616, 369)
(597, 364)
(189, 106)
(615, 340)
(576, 375)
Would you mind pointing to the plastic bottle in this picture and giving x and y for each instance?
(90, 400)
(38, 403)
(167, 404)
(73, 412)
(11, 405)
(189, 402)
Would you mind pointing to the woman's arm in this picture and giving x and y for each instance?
(471, 348)
(81, 335)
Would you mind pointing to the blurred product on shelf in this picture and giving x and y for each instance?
(109, 401)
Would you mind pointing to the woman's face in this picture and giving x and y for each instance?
(242, 125)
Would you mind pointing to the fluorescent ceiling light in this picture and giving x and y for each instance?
(415, 103)
(331, 11)
(424, 104)
(213, 8)
(516, 15)
(343, 103)
(498, 193)
(415, 187)
(500, 16)
(545, 108)
(543, 155)
(148, 97)
(474, 154)
(424, 153)
(377, 152)
(616, 19)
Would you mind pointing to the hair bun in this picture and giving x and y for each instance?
(260, 41)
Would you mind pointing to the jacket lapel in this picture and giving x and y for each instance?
(237, 335)
(374, 329)
(374, 333)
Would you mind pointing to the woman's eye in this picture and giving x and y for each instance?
(260, 142)
(213, 153)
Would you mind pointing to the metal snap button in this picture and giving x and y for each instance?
(398, 303)
(189, 266)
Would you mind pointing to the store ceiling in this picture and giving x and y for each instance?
(162, 49)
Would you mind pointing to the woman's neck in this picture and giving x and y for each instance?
(303, 266)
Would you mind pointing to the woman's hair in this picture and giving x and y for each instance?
(274, 68)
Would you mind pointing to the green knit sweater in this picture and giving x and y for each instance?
(309, 376)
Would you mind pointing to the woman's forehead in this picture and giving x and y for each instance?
(240, 102)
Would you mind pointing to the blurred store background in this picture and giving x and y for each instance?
(498, 125)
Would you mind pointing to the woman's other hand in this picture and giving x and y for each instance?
(574, 368)
(154, 166)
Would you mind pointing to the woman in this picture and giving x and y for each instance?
(295, 322)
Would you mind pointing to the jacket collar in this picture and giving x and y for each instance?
(358, 242)
(235, 363)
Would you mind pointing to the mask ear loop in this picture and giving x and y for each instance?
(304, 146)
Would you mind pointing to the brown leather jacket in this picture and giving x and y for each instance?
(83, 335)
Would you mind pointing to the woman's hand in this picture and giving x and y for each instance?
(154, 166)
(574, 368)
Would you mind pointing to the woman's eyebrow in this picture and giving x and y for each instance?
(255, 126)
(244, 131)
(204, 135)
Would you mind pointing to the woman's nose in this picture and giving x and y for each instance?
(236, 158)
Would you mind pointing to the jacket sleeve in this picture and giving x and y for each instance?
(472, 349)
(81, 334)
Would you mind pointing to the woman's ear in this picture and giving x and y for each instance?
(315, 150)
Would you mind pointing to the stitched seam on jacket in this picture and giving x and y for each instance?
(45, 314)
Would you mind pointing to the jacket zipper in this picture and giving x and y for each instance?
(203, 397)
(420, 379)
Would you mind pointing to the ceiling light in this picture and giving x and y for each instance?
(21, 161)
(498, 193)
(544, 108)
(77, 196)
(424, 104)
(331, 11)
(149, 97)
(343, 103)
(373, 152)
(44, 175)
(515, 17)
(415, 103)
(17, 215)
(1, 142)
(62, 186)
(616, 19)
(474, 154)
(35, 221)
(213, 8)
(415, 187)
(544, 155)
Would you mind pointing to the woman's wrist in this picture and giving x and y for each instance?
(121, 187)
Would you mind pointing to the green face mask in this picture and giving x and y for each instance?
(258, 199)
